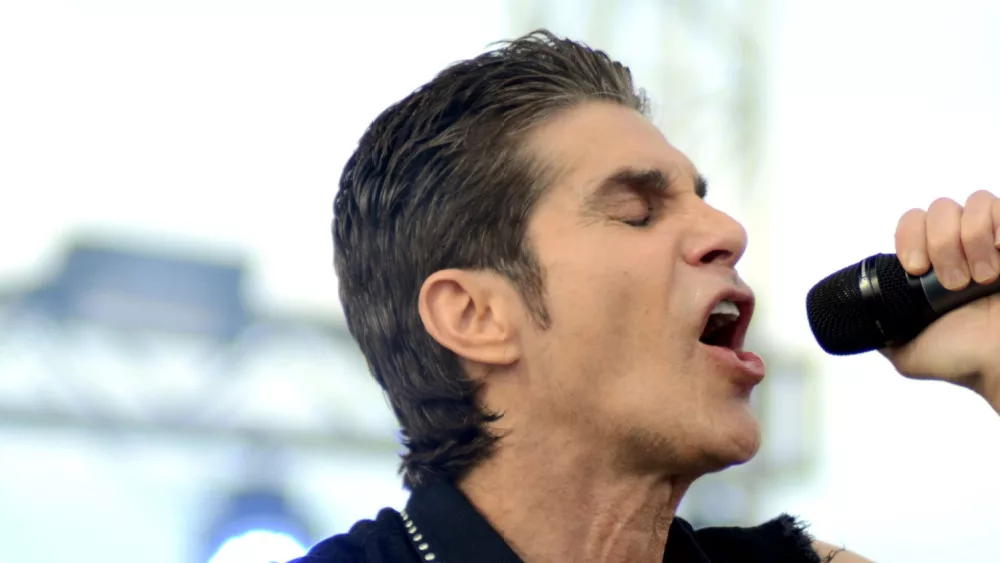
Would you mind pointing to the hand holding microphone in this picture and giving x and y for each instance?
(934, 311)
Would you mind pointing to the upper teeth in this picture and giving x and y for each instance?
(726, 307)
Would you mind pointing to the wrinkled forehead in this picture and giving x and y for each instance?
(582, 147)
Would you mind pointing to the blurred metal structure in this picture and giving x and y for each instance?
(127, 341)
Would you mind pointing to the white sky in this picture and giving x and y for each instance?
(215, 122)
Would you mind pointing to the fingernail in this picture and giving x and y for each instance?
(996, 242)
(914, 261)
(983, 272)
(954, 278)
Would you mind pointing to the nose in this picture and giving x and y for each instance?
(716, 238)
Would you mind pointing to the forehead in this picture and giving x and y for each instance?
(586, 144)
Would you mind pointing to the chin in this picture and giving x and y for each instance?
(729, 438)
(713, 447)
(735, 446)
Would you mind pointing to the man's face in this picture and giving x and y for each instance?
(634, 262)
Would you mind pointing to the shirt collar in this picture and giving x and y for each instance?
(452, 528)
(440, 519)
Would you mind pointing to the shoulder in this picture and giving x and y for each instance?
(829, 553)
(368, 541)
(781, 540)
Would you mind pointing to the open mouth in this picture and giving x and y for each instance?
(726, 325)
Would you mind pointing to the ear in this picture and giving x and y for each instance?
(472, 313)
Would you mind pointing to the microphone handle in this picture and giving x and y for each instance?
(943, 300)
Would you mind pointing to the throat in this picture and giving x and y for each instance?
(570, 513)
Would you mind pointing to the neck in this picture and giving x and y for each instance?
(552, 502)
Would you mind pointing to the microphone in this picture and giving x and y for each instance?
(875, 304)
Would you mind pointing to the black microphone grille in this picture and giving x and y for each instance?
(840, 318)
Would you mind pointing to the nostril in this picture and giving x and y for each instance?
(715, 255)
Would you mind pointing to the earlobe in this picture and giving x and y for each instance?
(470, 314)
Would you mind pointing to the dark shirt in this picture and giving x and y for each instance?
(440, 525)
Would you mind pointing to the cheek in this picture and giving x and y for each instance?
(611, 296)
(605, 317)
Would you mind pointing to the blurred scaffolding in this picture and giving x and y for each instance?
(130, 344)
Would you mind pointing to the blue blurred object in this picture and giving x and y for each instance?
(256, 525)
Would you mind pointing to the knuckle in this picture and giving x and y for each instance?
(976, 232)
(912, 219)
(941, 246)
(915, 214)
(980, 196)
(944, 204)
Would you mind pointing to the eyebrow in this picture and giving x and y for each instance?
(651, 180)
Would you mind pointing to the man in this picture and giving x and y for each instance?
(555, 315)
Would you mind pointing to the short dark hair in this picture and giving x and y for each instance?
(442, 180)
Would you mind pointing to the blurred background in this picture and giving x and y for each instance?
(177, 384)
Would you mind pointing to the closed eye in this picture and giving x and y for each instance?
(636, 219)
(643, 222)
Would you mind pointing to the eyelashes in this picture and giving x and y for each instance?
(634, 207)
(643, 220)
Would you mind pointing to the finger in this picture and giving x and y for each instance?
(978, 237)
(996, 222)
(911, 242)
(944, 243)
